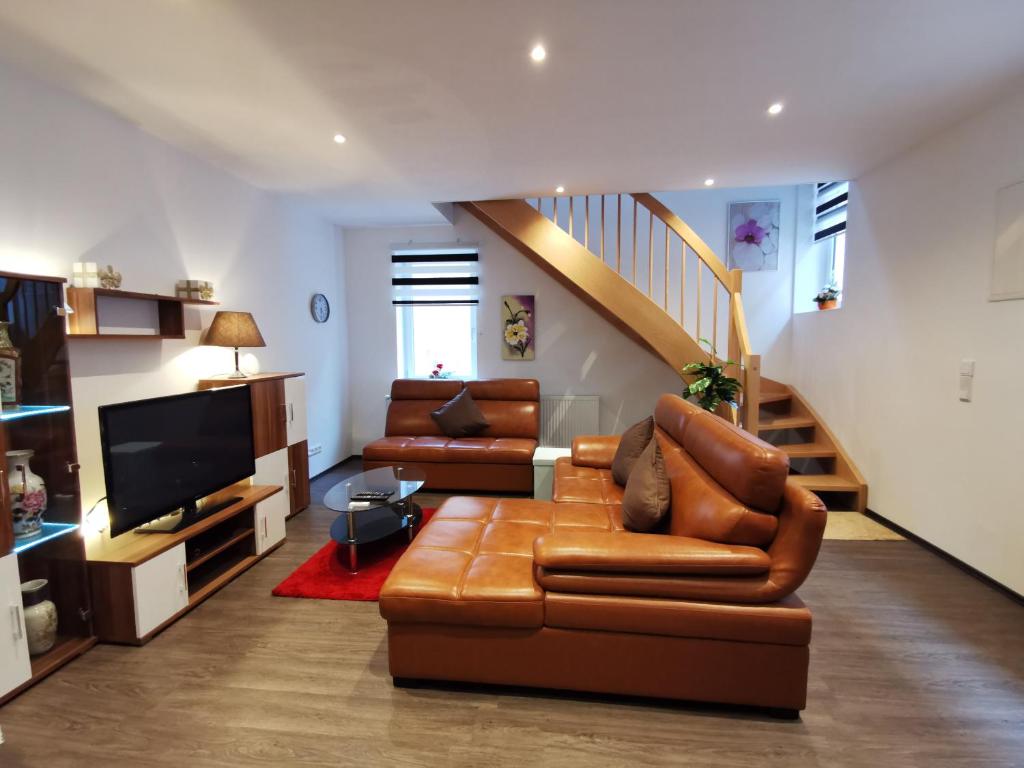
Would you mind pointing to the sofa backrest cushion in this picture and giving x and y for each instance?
(673, 415)
(510, 406)
(750, 469)
(701, 508)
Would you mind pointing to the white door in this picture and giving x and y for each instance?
(160, 587)
(272, 469)
(15, 667)
(295, 400)
(269, 519)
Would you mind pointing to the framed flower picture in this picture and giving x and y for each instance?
(518, 328)
(754, 236)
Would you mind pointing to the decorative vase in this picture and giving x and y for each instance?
(10, 369)
(40, 616)
(28, 494)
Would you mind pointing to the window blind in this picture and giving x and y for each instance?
(830, 209)
(437, 277)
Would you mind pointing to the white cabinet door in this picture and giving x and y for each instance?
(15, 667)
(160, 588)
(272, 469)
(295, 400)
(269, 519)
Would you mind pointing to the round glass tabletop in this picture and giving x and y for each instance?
(399, 482)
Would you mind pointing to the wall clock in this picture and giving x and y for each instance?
(320, 308)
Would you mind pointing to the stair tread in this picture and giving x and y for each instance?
(774, 397)
(784, 422)
(825, 483)
(808, 450)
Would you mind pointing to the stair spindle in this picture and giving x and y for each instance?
(618, 239)
(700, 279)
(665, 303)
(714, 331)
(634, 240)
(650, 254)
(682, 283)
(570, 215)
(586, 222)
(602, 227)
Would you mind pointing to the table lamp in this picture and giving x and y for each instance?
(234, 329)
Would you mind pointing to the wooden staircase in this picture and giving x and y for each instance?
(645, 270)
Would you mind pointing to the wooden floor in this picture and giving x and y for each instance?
(913, 664)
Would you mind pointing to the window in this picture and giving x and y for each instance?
(435, 293)
(830, 204)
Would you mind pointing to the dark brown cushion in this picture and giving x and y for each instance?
(460, 417)
(646, 500)
(631, 445)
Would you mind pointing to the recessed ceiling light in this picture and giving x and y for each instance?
(709, 182)
(539, 53)
(775, 108)
(339, 139)
(559, 189)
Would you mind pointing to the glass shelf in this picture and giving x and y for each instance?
(50, 532)
(28, 411)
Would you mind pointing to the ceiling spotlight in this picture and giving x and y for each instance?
(339, 139)
(559, 189)
(539, 53)
(709, 182)
(775, 108)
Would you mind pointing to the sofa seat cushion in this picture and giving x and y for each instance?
(473, 562)
(787, 622)
(586, 485)
(399, 448)
(491, 450)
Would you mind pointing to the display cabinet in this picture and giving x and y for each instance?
(39, 473)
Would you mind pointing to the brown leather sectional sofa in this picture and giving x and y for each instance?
(558, 595)
(500, 459)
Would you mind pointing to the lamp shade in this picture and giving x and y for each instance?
(234, 329)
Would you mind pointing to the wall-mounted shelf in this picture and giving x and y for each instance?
(90, 304)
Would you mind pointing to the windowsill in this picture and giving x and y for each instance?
(817, 311)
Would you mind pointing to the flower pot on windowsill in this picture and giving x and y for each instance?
(830, 304)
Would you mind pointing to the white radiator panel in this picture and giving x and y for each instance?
(563, 417)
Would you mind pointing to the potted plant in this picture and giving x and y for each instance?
(439, 372)
(827, 296)
(711, 387)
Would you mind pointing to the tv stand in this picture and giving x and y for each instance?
(142, 584)
(188, 515)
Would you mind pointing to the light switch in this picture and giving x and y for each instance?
(966, 380)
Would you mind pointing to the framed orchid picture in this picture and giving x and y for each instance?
(754, 236)
(519, 328)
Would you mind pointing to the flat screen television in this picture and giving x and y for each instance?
(164, 454)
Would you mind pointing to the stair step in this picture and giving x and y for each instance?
(774, 397)
(784, 422)
(826, 483)
(808, 451)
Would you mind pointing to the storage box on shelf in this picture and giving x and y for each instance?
(279, 432)
(141, 584)
(42, 423)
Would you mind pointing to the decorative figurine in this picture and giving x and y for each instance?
(109, 278)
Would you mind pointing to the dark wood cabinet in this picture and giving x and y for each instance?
(269, 416)
(298, 476)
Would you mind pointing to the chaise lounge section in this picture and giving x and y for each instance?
(559, 595)
(499, 459)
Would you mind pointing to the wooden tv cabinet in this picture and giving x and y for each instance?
(143, 583)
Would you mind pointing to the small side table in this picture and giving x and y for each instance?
(544, 470)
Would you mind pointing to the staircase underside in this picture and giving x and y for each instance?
(817, 460)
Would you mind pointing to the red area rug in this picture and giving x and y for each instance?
(325, 576)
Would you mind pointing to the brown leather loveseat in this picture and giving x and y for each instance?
(558, 595)
(499, 459)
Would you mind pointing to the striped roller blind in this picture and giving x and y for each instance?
(830, 209)
(440, 276)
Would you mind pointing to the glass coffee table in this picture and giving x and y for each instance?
(381, 518)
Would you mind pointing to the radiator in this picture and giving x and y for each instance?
(562, 417)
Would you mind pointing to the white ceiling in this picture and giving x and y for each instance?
(440, 101)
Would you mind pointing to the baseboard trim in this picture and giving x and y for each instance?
(341, 463)
(970, 570)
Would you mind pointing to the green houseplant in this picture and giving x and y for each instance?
(827, 296)
(710, 387)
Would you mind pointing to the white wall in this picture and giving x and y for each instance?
(80, 184)
(883, 370)
(578, 351)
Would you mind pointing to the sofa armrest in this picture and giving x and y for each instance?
(645, 553)
(594, 450)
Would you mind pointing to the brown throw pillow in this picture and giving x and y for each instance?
(631, 445)
(646, 500)
(460, 417)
